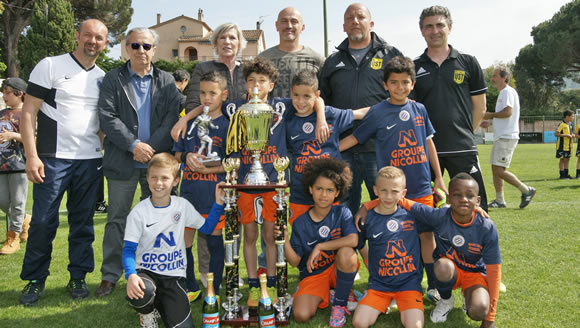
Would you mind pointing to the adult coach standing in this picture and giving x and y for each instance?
(138, 105)
(61, 106)
(506, 123)
(352, 77)
(452, 87)
(289, 56)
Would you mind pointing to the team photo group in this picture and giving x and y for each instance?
(367, 116)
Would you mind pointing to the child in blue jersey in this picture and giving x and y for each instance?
(154, 252)
(198, 179)
(259, 73)
(403, 138)
(467, 253)
(564, 143)
(395, 270)
(301, 139)
(322, 243)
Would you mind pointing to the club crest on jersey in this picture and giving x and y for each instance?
(458, 76)
(324, 231)
(458, 240)
(307, 127)
(176, 217)
(376, 63)
(392, 225)
(404, 116)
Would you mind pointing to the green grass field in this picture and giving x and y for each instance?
(540, 250)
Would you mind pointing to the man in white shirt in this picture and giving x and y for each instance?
(506, 124)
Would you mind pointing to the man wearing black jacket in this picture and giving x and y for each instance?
(352, 77)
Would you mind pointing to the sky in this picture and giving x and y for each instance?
(492, 30)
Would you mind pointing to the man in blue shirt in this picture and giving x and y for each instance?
(138, 105)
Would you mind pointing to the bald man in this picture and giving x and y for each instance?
(289, 56)
(61, 98)
(352, 77)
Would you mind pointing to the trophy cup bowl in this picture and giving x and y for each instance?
(257, 118)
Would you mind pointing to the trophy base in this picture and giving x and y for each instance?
(253, 187)
(211, 162)
(249, 318)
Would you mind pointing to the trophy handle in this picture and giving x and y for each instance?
(278, 114)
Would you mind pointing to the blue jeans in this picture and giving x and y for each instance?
(364, 169)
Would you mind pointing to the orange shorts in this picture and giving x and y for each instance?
(466, 279)
(408, 299)
(298, 209)
(220, 225)
(249, 205)
(425, 200)
(318, 285)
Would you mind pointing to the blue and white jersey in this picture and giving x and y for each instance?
(277, 145)
(306, 233)
(401, 132)
(470, 246)
(197, 187)
(158, 231)
(304, 147)
(394, 251)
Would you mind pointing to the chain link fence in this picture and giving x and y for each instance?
(533, 129)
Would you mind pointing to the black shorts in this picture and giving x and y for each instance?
(166, 294)
(468, 163)
(563, 154)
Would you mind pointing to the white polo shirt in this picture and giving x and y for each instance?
(508, 127)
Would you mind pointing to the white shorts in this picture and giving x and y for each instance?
(502, 152)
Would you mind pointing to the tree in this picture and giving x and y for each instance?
(541, 67)
(15, 18)
(115, 14)
(51, 33)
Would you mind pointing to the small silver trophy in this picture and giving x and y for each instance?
(204, 123)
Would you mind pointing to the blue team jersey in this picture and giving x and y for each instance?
(303, 145)
(199, 188)
(401, 132)
(306, 234)
(394, 251)
(470, 246)
(277, 145)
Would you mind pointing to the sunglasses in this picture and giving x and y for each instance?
(146, 46)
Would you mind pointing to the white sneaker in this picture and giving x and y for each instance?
(502, 287)
(442, 309)
(149, 320)
(433, 295)
(240, 281)
(392, 307)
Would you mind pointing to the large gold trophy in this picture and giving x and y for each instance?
(249, 130)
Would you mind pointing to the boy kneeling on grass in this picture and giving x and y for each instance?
(322, 243)
(154, 253)
(467, 254)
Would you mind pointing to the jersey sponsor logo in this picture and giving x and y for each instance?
(162, 262)
(323, 231)
(378, 234)
(392, 225)
(458, 76)
(307, 127)
(310, 150)
(408, 225)
(409, 153)
(151, 224)
(404, 116)
(376, 63)
(325, 259)
(188, 175)
(170, 241)
(391, 126)
(397, 260)
(458, 240)
(474, 248)
(458, 258)
(419, 121)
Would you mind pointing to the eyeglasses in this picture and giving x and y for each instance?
(146, 46)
